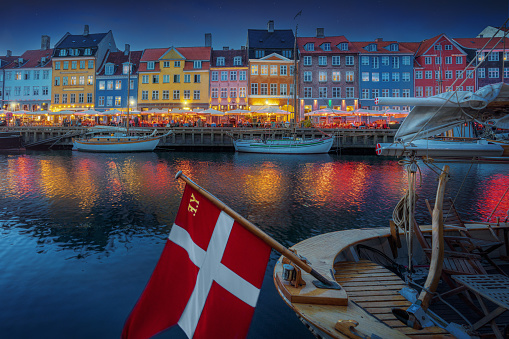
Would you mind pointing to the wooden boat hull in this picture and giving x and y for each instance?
(11, 142)
(115, 144)
(315, 146)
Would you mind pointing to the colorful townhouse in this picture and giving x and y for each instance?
(385, 70)
(174, 78)
(491, 59)
(272, 64)
(229, 79)
(4, 61)
(116, 84)
(76, 60)
(328, 73)
(441, 65)
(28, 79)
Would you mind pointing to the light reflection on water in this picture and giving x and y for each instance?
(80, 233)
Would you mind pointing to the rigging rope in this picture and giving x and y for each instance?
(498, 204)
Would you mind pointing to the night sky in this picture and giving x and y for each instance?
(157, 24)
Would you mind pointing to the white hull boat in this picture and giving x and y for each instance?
(285, 146)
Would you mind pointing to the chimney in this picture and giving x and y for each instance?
(270, 26)
(86, 31)
(225, 48)
(127, 49)
(45, 42)
(208, 40)
(320, 33)
(9, 53)
(379, 39)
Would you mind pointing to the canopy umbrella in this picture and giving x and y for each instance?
(61, 112)
(211, 111)
(325, 112)
(181, 111)
(155, 111)
(20, 112)
(110, 112)
(87, 112)
(239, 112)
(272, 110)
(37, 113)
(3, 111)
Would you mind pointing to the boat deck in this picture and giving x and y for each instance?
(376, 290)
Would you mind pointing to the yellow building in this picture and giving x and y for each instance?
(75, 61)
(174, 78)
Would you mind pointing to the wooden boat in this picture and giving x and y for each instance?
(11, 141)
(285, 146)
(117, 142)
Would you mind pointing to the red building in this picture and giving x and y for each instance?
(441, 65)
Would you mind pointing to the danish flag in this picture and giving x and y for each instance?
(208, 277)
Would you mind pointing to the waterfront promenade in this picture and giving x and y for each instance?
(361, 141)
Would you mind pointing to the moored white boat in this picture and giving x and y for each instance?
(285, 146)
(116, 143)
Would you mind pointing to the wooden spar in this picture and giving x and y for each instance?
(255, 230)
(437, 254)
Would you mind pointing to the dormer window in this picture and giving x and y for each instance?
(197, 65)
(309, 46)
(372, 48)
(76, 52)
(219, 61)
(343, 46)
(126, 68)
(237, 61)
(88, 51)
(326, 46)
(109, 69)
(150, 65)
(394, 47)
(63, 52)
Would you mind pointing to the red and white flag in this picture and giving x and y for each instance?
(208, 277)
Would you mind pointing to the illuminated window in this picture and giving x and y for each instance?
(254, 69)
(264, 70)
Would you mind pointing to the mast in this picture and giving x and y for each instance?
(295, 81)
(128, 91)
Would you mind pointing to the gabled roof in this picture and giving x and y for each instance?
(333, 40)
(6, 60)
(263, 39)
(272, 56)
(412, 46)
(382, 47)
(228, 57)
(80, 41)
(426, 45)
(195, 53)
(118, 59)
(153, 54)
(189, 66)
(480, 43)
(32, 59)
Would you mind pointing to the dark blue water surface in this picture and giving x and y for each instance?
(81, 233)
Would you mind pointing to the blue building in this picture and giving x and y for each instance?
(112, 81)
(385, 70)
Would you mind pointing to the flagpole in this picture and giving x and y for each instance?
(258, 232)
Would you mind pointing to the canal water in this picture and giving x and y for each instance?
(81, 233)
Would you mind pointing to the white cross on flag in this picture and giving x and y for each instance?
(208, 277)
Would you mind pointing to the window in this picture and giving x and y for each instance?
(197, 64)
(81, 98)
(57, 64)
(448, 47)
(155, 78)
(176, 78)
(385, 77)
(118, 101)
(365, 93)
(273, 89)
(144, 95)
(395, 62)
(109, 69)
(254, 69)
(264, 89)
(448, 60)
(187, 94)
(273, 69)
(73, 80)
(308, 76)
(349, 61)
(343, 46)
(374, 60)
(322, 76)
(88, 51)
(470, 88)
(155, 95)
(429, 91)
(63, 52)
(26, 91)
(385, 93)
(459, 88)
(166, 64)
(233, 75)
(308, 92)
(264, 70)
(57, 81)
(405, 76)
(242, 92)
(350, 92)
(166, 93)
(336, 60)
(322, 92)
(118, 84)
(322, 60)
(109, 85)
(493, 73)
(365, 60)
(237, 61)
(459, 60)
(144, 79)
(66, 65)
(45, 90)
(187, 78)
(395, 92)
(259, 53)
(101, 101)
(427, 60)
(438, 75)
(150, 65)
(176, 94)
(395, 76)
(224, 75)
(283, 89)
(349, 76)
(90, 80)
(375, 77)
(196, 95)
(37, 75)
(176, 64)
(56, 98)
(470, 74)
(166, 78)
(418, 74)
(64, 98)
(233, 92)
(493, 56)
(65, 81)
(197, 78)
(428, 74)
(438, 60)
(309, 46)
(89, 98)
(418, 91)
(220, 61)
(375, 93)
(82, 80)
(254, 89)
(406, 60)
(448, 74)
(282, 70)
(109, 101)
(336, 76)
(74, 64)
(438, 47)
(307, 60)
(365, 76)
(213, 92)
(224, 92)
(326, 46)
(214, 76)
(406, 93)
(506, 73)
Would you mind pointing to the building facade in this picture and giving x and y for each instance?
(5, 60)
(117, 81)
(229, 79)
(441, 65)
(174, 78)
(328, 72)
(385, 70)
(76, 60)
